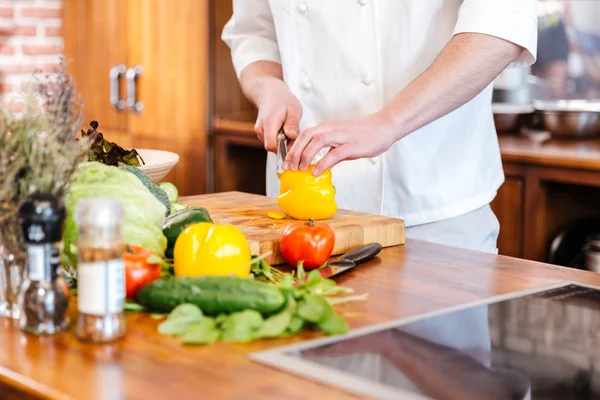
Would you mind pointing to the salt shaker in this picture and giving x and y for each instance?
(100, 271)
(43, 300)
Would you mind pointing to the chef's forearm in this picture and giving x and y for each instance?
(256, 76)
(466, 66)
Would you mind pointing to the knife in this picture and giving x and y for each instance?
(282, 142)
(350, 260)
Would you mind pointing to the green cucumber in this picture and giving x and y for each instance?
(214, 295)
(177, 207)
(170, 190)
(177, 222)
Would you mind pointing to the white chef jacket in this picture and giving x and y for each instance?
(349, 58)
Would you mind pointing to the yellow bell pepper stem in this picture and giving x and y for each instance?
(304, 196)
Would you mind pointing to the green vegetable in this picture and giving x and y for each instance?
(334, 325)
(178, 221)
(201, 332)
(295, 326)
(241, 326)
(277, 324)
(133, 307)
(170, 190)
(179, 319)
(156, 190)
(314, 308)
(144, 215)
(213, 294)
(175, 206)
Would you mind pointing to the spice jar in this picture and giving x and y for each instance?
(100, 271)
(44, 297)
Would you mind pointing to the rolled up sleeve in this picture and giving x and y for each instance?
(250, 34)
(511, 20)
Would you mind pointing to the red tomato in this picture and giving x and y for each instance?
(137, 270)
(310, 242)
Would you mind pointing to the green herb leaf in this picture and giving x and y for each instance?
(241, 326)
(334, 325)
(201, 332)
(314, 308)
(295, 326)
(132, 306)
(301, 274)
(158, 316)
(186, 312)
(179, 319)
(275, 325)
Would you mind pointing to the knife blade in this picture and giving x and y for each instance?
(351, 259)
(282, 142)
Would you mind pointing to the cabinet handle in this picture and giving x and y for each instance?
(115, 77)
(132, 75)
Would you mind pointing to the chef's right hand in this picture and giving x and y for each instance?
(278, 107)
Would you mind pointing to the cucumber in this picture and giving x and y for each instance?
(214, 295)
(170, 190)
(177, 222)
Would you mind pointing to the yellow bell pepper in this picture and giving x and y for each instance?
(209, 249)
(305, 196)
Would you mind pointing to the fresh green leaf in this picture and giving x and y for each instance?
(220, 318)
(179, 319)
(287, 281)
(201, 332)
(275, 325)
(334, 325)
(132, 306)
(296, 325)
(186, 312)
(314, 308)
(241, 326)
(158, 316)
(301, 274)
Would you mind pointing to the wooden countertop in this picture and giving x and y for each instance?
(404, 281)
(577, 154)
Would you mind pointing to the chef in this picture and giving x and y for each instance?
(393, 95)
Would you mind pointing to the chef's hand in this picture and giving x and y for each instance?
(278, 107)
(347, 139)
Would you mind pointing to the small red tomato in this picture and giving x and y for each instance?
(137, 270)
(310, 242)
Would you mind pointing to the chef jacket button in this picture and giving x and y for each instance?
(362, 2)
(367, 80)
(306, 84)
(374, 160)
(302, 7)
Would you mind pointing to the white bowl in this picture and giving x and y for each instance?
(158, 163)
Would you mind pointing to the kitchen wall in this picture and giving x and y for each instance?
(29, 38)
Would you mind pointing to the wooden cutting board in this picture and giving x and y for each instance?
(249, 212)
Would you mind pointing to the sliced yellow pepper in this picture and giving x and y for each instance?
(305, 196)
(208, 249)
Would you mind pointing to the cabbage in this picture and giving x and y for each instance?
(144, 214)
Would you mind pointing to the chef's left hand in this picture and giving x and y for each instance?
(349, 139)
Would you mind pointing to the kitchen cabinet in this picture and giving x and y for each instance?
(142, 68)
(508, 207)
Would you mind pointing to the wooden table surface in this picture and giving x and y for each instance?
(404, 281)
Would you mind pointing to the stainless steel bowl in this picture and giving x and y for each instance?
(570, 118)
(511, 117)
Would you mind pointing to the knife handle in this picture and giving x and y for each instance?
(363, 253)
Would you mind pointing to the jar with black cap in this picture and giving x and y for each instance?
(44, 297)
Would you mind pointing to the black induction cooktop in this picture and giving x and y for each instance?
(541, 344)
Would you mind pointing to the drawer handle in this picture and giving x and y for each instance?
(132, 76)
(115, 78)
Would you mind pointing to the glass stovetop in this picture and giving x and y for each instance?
(542, 344)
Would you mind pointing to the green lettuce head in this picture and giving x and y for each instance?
(144, 214)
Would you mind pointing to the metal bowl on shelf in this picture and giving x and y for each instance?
(570, 118)
(511, 117)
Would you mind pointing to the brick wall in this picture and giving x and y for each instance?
(30, 38)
